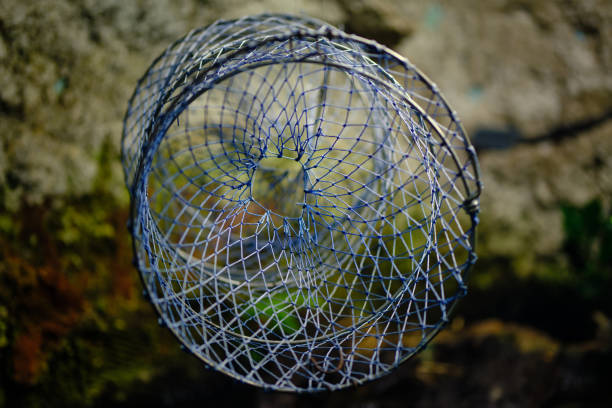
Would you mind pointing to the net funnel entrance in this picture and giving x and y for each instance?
(304, 201)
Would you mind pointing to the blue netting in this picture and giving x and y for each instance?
(304, 201)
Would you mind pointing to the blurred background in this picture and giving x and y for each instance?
(532, 82)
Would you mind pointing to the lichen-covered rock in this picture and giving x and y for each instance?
(387, 21)
(526, 185)
(519, 71)
(533, 77)
(533, 66)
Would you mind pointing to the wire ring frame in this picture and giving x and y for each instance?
(304, 201)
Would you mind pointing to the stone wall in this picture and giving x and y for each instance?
(530, 80)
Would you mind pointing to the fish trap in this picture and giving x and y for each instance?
(303, 201)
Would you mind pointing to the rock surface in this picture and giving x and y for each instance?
(531, 80)
(513, 70)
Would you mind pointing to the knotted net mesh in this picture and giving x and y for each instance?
(303, 201)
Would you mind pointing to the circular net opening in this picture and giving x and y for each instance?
(303, 201)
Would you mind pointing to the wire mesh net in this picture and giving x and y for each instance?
(303, 201)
